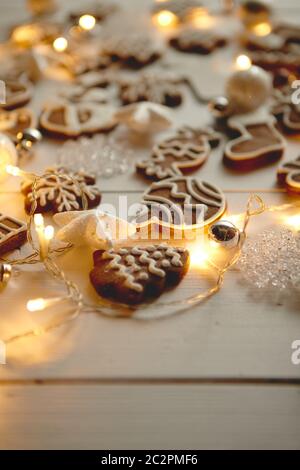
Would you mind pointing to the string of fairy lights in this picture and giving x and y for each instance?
(43, 253)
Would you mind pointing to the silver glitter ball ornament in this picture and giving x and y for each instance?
(27, 138)
(219, 106)
(224, 233)
(249, 89)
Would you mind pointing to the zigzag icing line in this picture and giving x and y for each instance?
(144, 259)
(123, 271)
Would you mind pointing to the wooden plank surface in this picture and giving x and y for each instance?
(161, 400)
(149, 417)
(237, 333)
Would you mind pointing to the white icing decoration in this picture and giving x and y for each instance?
(240, 123)
(126, 267)
(205, 194)
(59, 187)
(136, 45)
(9, 232)
(101, 118)
(186, 154)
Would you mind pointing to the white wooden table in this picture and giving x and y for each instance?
(218, 376)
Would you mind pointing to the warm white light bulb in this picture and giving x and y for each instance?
(262, 29)
(293, 221)
(38, 220)
(60, 44)
(49, 232)
(243, 62)
(165, 19)
(36, 305)
(13, 170)
(87, 22)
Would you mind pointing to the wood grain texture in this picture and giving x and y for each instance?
(129, 384)
(151, 417)
(237, 333)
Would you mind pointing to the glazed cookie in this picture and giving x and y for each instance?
(258, 143)
(286, 112)
(274, 61)
(183, 9)
(183, 153)
(75, 120)
(13, 234)
(151, 88)
(196, 41)
(282, 38)
(100, 10)
(13, 122)
(18, 93)
(288, 175)
(59, 191)
(134, 51)
(254, 12)
(181, 201)
(135, 275)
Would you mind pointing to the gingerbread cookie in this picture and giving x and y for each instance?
(182, 9)
(183, 153)
(100, 10)
(274, 61)
(282, 38)
(74, 120)
(181, 202)
(13, 122)
(135, 51)
(258, 143)
(135, 275)
(17, 94)
(254, 12)
(59, 191)
(13, 234)
(196, 41)
(288, 175)
(286, 112)
(152, 88)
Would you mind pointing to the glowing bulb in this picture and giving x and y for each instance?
(38, 220)
(8, 155)
(293, 221)
(262, 29)
(36, 305)
(199, 255)
(200, 18)
(87, 22)
(60, 44)
(13, 170)
(243, 62)
(49, 232)
(165, 19)
(39, 304)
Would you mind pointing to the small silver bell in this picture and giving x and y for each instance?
(219, 106)
(224, 233)
(27, 138)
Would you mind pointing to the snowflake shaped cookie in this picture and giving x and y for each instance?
(60, 191)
